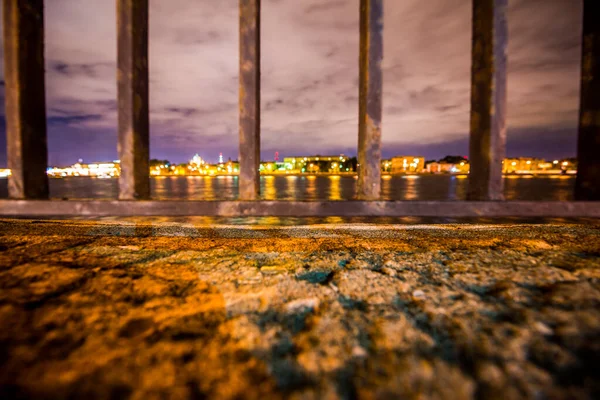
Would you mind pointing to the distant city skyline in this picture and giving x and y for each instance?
(316, 164)
(310, 70)
(199, 160)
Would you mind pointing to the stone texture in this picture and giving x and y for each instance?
(335, 311)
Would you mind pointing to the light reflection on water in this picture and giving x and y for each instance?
(311, 187)
(335, 192)
(270, 192)
(411, 187)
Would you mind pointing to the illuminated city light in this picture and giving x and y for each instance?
(96, 170)
(413, 165)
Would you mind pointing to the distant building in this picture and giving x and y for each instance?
(232, 167)
(442, 167)
(315, 164)
(386, 165)
(522, 165)
(438, 167)
(546, 166)
(96, 170)
(197, 161)
(568, 165)
(407, 164)
(272, 166)
(225, 168)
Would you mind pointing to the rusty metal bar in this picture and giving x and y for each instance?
(487, 146)
(27, 148)
(587, 184)
(448, 209)
(134, 137)
(249, 154)
(370, 93)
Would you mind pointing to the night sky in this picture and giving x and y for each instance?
(309, 78)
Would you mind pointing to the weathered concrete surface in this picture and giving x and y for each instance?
(100, 310)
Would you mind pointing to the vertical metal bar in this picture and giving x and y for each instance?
(587, 184)
(25, 98)
(370, 88)
(487, 146)
(249, 155)
(134, 138)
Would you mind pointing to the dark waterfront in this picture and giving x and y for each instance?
(324, 187)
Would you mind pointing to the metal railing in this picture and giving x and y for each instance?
(26, 123)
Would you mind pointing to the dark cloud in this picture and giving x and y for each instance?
(182, 112)
(325, 6)
(74, 119)
(85, 70)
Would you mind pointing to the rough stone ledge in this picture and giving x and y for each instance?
(169, 310)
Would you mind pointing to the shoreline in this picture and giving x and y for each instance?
(533, 175)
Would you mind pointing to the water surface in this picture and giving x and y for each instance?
(323, 187)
